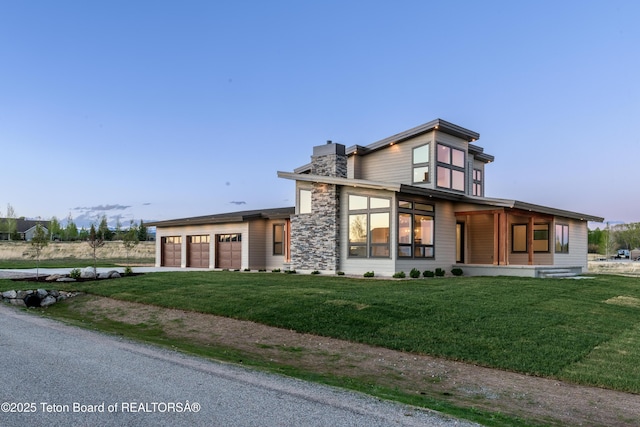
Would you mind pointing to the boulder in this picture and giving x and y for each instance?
(88, 273)
(47, 301)
(54, 277)
(17, 301)
(9, 294)
(42, 293)
(66, 279)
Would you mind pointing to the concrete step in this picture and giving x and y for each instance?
(556, 273)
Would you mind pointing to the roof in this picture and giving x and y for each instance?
(242, 216)
(442, 195)
(24, 225)
(437, 124)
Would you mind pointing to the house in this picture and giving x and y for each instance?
(412, 200)
(24, 228)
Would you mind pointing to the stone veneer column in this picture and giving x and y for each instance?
(315, 237)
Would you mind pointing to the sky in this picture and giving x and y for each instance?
(160, 109)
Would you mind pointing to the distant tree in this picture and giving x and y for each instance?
(130, 239)
(83, 234)
(95, 241)
(142, 232)
(55, 229)
(71, 230)
(11, 223)
(118, 233)
(103, 229)
(39, 241)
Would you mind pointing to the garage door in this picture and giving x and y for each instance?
(198, 251)
(171, 251)
(229, 251)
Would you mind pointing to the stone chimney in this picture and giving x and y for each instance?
(329, 160)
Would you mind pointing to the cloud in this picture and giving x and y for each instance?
(239, 203)
(102, 208)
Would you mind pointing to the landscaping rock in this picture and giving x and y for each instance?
(66, 279)
(9, 294)
(47, 301)
(38, 298)
(41, 293)
(88, 273)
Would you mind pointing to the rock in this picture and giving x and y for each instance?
(42, 293)
(9, 294)
(54, 277)
(23, 294)
(54, 293)
(88, 273)
(18, 301)
(47, 301)
(66, 279)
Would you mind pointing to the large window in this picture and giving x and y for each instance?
(450, 168)
(562, 238)
(421, 164)
(416, 230)
(304, 201)
(369, 227)
(520, 239)
(278, 239)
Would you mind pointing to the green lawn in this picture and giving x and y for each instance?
(586, 331)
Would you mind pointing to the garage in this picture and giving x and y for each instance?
(171, 251)
(198, 251)
(229, 251)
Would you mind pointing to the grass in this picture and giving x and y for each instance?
(566, 329)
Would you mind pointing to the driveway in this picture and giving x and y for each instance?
(59, 375)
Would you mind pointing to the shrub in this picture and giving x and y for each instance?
(290, 272)
(456, 271)
(439, 272)
(414, 273)
(247, 269)
(128, 271)
(399, 275)
(369, 274)
(315, 272)
(428, 273)
(340, 273)
(275, 270)
(75, 273)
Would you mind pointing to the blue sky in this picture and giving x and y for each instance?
(166, 109)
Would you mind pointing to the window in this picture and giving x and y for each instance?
(541, 238)
(173, 239)
(415, 230)
(421, 164)
(200, 239)
(562, 238)
(450, 171)
(368, 226)
(520, 238)
(477, 182)
(304, 202)
(278, 239)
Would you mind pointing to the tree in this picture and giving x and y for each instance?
(71, 230)
(118, 234)
(39, 241)
(95, 241)
(11, 224)
(142, 232)
(55, 229)
(130, 239)
(103, 229)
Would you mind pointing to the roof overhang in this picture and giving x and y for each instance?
(224, 218)
(346, 182)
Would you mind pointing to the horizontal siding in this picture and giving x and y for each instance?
(578, 245)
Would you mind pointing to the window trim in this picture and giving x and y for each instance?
(368, 245)
(416, 165)
(449, 167)
(564, 233)
(280, 252)
(477, 182)
(412, 211)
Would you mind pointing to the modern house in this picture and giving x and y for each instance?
(412, 200)
(22, 230)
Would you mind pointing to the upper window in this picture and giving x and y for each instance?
(421, 164)
(415, 230)
(562, 238)
(477, 182)
(450, 172)
(368, 226)
(304, 202)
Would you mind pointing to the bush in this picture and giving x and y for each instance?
(428, 273)
(340, 273)
(414, 273)
(315, 272)
(290, 272)
(439, 272)
(247, 269)
(369, 274)
(128, 271)
(75, 273)
(275, 270)
(456, 271)
(399, 275)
